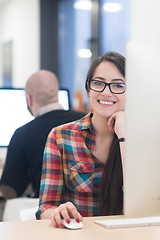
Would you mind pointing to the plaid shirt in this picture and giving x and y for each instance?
(70, 171)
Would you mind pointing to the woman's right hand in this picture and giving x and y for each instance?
(64, 211)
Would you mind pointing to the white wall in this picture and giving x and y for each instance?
(19, 23)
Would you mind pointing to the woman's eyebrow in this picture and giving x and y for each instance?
(118, 79)
(101, 78)
(115, 79)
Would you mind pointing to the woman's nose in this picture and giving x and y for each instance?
(106, 91)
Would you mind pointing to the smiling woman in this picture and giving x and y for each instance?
(111, 94)
(84, 159)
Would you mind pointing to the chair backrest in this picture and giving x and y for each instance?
(28, 214)
(13, 209)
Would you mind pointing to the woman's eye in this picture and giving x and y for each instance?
(98, 83)
(118, 85)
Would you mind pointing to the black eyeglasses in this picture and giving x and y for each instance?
(116, 87)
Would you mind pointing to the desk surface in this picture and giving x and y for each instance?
(42, 229)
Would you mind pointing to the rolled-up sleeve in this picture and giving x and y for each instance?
(52, 188)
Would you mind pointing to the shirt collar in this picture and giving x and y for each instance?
(48, 108)
(86, 122)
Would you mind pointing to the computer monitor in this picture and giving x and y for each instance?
(142, 161)
(14, 113)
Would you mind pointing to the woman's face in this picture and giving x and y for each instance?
(106, 103)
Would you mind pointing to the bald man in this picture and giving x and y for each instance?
(25, 151)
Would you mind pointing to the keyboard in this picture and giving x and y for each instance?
(129, 222)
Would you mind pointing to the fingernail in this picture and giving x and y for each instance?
(77, 220)
(62, 225)
(68, 221)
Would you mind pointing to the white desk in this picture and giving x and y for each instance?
(42, 229)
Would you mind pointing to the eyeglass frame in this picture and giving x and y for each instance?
(106, 84)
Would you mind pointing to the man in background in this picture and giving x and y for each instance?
(25, 151)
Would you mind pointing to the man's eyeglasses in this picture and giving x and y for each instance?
(115, 87)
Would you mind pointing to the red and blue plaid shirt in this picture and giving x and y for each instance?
(70, 171)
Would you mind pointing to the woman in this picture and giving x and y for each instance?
(82, 168)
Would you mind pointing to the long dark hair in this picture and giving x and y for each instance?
(111, 192)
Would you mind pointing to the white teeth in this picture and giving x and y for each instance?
(107, 103)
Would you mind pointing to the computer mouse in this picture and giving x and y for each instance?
(73, 224)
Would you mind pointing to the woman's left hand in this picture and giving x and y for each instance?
(116, 123)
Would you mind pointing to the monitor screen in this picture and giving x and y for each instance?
(14, 112)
